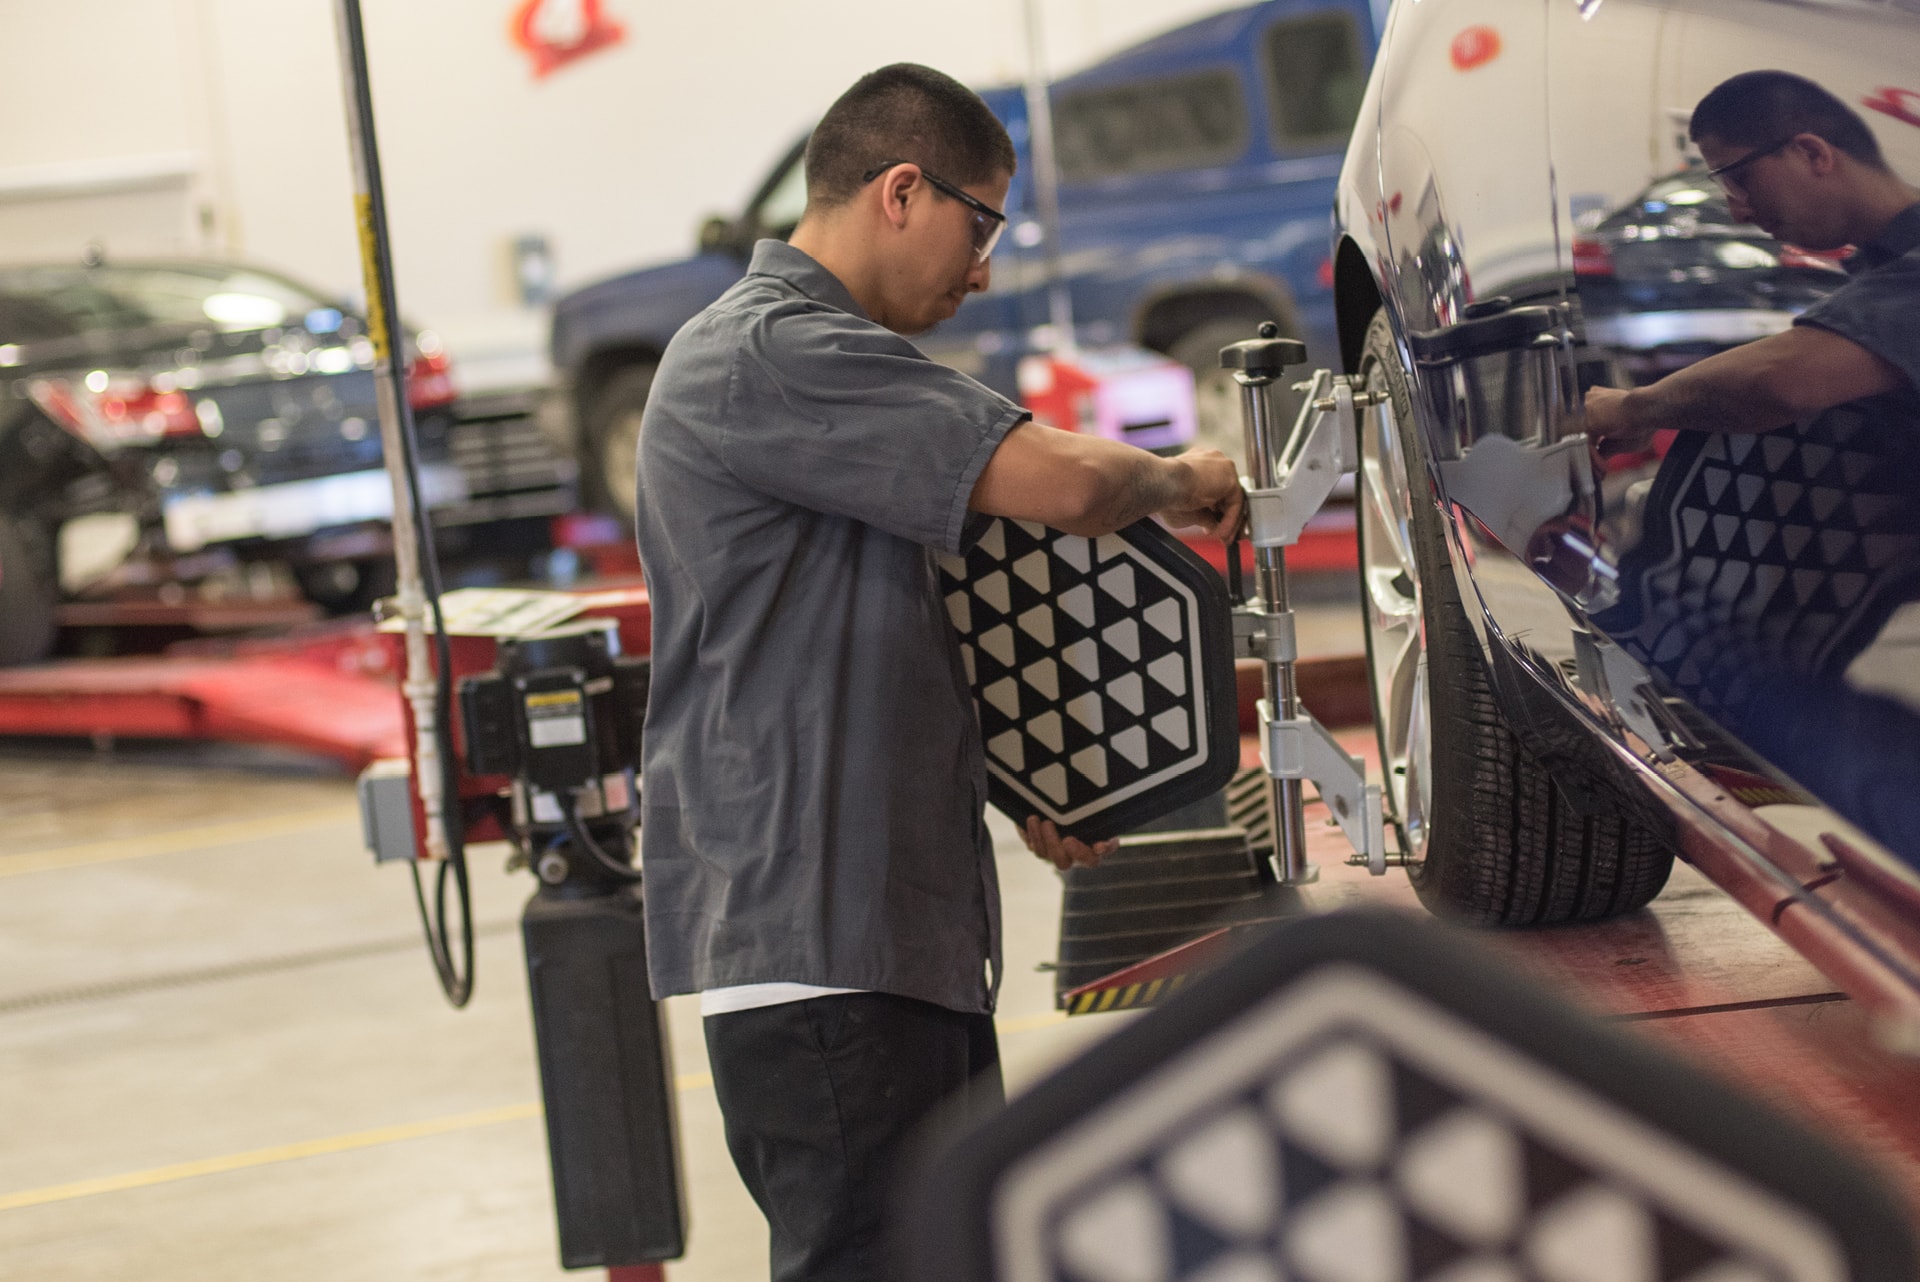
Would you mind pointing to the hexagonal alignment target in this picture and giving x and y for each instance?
(1102, 672)
(1365, 1097)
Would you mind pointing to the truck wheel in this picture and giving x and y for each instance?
(29, 590)
(613, 436)
(1490, 836)
(1216, 395)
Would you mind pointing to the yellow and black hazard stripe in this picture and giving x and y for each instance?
(1124, 996)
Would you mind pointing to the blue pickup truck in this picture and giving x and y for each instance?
(1197, 174)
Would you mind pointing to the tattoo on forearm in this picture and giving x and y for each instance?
(1688, 406)
(1688, 402)
(1150, 487)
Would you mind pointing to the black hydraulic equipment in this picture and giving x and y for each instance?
(560, 716)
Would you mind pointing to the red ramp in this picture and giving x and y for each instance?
(283, 700)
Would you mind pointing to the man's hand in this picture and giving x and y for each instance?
(1215, 499)
(1043, 839)
(1612, 426)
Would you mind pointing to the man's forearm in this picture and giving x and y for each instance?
(1702, 404)
(1090, 486)
(1758, 386)
(1147, 484)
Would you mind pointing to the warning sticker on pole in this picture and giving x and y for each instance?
(556, 719)
(377, 327)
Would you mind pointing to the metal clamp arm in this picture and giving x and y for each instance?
(1321, 449)
(1302, 748)
(1267, 635)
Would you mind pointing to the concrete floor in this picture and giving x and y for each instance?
(225, 1055)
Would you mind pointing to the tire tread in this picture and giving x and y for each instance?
(1507, 846)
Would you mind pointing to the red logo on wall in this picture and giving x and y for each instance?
(1474, 47)
(556, 32)
(1901, 104)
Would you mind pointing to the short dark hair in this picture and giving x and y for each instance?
(905, 112)
(1760, 108)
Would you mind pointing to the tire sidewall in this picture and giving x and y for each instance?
(1456, 671)
(625, 392)
(29, 591)
(1506, 844)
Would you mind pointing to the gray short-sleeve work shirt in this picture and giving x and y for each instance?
(1879, 308)
(813, 783)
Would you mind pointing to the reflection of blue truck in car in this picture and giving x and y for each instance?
(1197, 173)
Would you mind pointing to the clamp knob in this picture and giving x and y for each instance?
(1265, 357)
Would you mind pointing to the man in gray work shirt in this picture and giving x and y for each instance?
(813, 841)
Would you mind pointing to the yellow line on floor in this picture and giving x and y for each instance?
(356, 1140)
(173, 842)
(293, 1152)
(265, 1156)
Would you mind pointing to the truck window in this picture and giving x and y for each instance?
(1317, 76)
(778, 212)
(1181, 122)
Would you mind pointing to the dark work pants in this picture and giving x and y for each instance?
(818, 1096)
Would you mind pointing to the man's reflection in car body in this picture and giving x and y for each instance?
(1783, 529)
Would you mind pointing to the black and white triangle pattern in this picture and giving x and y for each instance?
(1347, 1162)
(1084, 657)
(1786, 550)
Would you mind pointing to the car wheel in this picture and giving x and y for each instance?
(1216, 395)
(613, 433)
(347, 586)
(1489, 835)
(29, 590)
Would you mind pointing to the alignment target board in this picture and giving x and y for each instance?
(1102, 670)
(1358, 1097)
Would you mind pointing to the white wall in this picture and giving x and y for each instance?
(614, 158)
(77, 164)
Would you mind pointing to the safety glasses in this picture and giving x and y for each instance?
(987, 224)
(1724, 175)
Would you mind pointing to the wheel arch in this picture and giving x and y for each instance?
(1356, 297)
(1169, 311)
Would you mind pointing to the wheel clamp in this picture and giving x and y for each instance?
(1289, 480)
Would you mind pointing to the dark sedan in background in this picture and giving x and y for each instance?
(179, 423)
(1670, 277)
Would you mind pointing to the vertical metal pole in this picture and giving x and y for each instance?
(1046, 181)
(396, 419)
(1270, 579)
